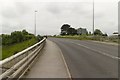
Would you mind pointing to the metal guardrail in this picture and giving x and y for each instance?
(16, 65)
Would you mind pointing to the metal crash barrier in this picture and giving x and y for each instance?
(17, 65)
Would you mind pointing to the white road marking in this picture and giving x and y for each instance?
(106, 54)
(66, 65)
(108, 43)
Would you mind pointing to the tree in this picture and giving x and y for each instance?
(104, 34)
(6, 39)
(24, 32)
(90, 33)
(64, 29)
(17, 36)
(40, 37)
(97, 32)
(71, 31)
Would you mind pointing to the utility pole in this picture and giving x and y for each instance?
(93, 18)
(35, 23)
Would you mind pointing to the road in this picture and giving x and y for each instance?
(88, 59)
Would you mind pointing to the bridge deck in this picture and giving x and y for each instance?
(50, 64)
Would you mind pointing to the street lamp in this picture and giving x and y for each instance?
(93, 18)
(35, 23)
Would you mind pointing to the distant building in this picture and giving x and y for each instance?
(115, 33)
(82, 31)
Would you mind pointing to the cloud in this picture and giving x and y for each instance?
(51, 15)
(54, 8)
(14, 11)
(22, 8)
(67, 8)
(11, 16)
(9, 13)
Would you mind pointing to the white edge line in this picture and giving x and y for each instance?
(65, 64)
(108, 43)
(106, 54)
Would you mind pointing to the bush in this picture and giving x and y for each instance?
(16, 37)
(39, 37)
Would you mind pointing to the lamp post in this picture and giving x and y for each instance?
(35, 23)
(93, 18)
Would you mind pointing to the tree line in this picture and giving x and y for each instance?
(66, 29)
(17, 37)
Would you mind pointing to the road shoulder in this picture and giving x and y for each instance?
(50, 64)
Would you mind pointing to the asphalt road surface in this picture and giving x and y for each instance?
(87, 59)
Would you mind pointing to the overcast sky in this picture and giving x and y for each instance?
(52, 14)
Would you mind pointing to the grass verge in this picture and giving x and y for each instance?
(95, 38)
(78, 37)
(8, 51)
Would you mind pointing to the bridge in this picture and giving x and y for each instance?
(63, 58)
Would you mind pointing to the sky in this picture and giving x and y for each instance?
(16, 15)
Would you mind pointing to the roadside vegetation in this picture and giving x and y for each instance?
(85, 37)
(82, 34)
(16, 42)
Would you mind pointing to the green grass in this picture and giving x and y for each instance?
(7, 51)
(78, 37)
(85, 37)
